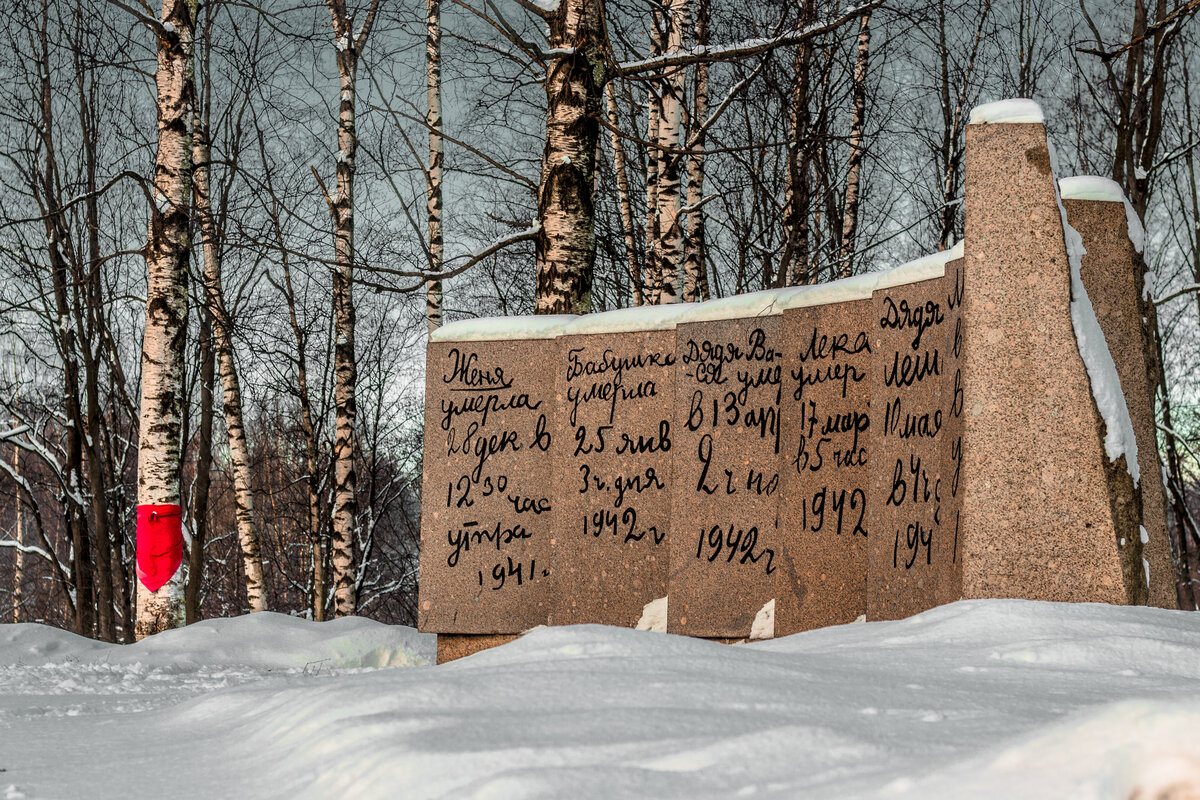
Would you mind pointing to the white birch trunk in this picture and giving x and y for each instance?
(854, 162)
(433, 119)
(654, 101)
(166, 299)
(668, 249)
(575, 79)
(348, 47)
(19, 563)
(695, 283)
(239, 448)
(624, 201)
(345, 447)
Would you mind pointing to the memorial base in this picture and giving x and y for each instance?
(452, 646)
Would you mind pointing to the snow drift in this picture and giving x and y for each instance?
(995, 698)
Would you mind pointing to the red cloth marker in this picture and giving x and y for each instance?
(159, 544)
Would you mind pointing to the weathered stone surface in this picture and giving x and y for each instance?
(723, 544)
(1045, 515)
(824, 463)
(616, 398)
(1111, 274)
(488, 485)
(453, 646)
(914, 556)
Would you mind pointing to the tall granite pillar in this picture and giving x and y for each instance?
(1049, 510)
(1112, 274)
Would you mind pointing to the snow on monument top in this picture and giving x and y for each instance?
(924, 268)
(765, 303)
(1091, 187)
(630, 320)
(1014, 110)
(498, 329)
(859, 287)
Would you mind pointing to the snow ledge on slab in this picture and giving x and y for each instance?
(498, 329)
(1014, 110)
(764, 303)
(630, 320)
(843, 290)
(925, 268)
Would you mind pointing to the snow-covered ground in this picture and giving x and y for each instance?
(976, 699)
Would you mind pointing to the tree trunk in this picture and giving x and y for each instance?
(1187, 589)
(19, 555)
(56, 228)
(654, 107)
(624, 200)
(341, 207)
(857, 140)
(695, 278)
(316, 533)
(433, 120)
(203, 479)
(166, 298)
(668, 250)
(92, 289)
(239, 447)
(566, 243)
(794, 265)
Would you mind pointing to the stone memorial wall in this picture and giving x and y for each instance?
(488, 484)
(976, 423)
(725, 497)
(824, 456)
(615, 390)
(916, 441)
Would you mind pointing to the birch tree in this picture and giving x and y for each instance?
(565, 246)
(857, 145)
(18, 576)
(624, 199)
(695, 274)
(668, 247)
(239, 448)
(433, 174)
(349, 46)
(166, 296)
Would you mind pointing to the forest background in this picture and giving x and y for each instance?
(358, 173)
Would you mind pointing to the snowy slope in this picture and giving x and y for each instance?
(977, 699)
